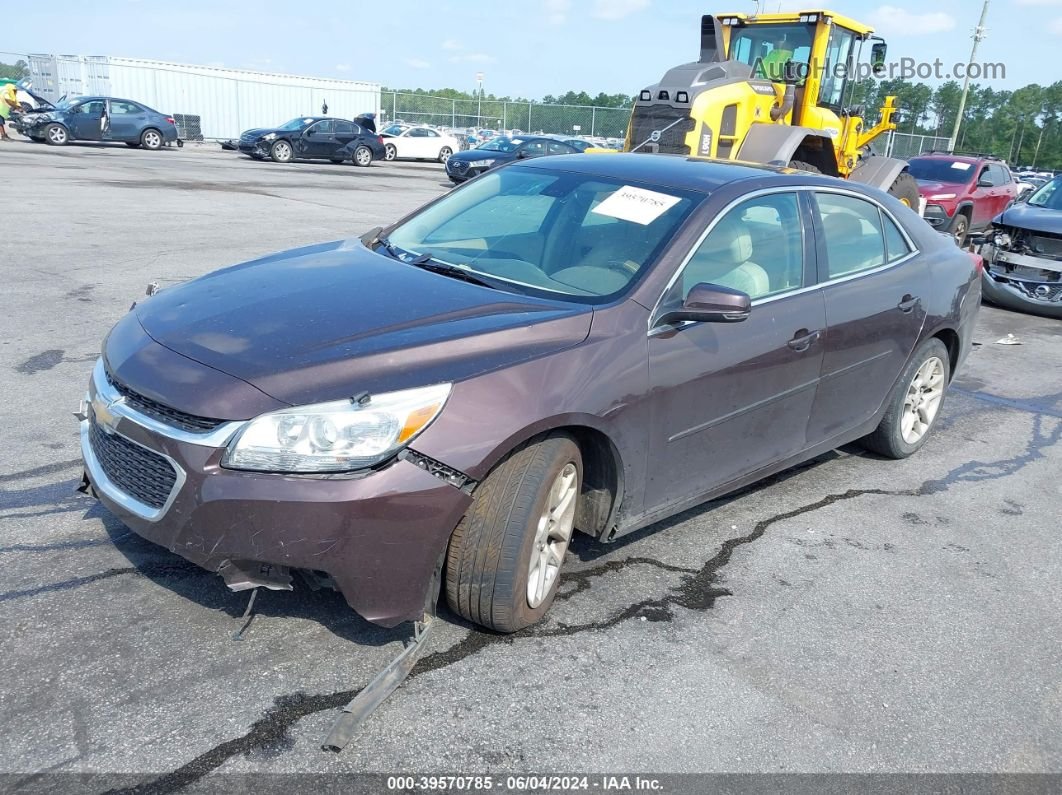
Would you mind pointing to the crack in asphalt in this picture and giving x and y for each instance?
(47, 469)
(61, 545)
(697, 592)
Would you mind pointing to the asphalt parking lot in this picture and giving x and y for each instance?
(853, 615)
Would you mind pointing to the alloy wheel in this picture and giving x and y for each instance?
(390, 153)
(923, 400)
(152, 140)
(552, 535)
(57, 134)
(362, 156)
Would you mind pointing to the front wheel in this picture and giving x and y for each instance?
(56, 135)
(905, 188)
(362, 156)
(444, 154)
(960, 228)
(914, 405)
(504, 559)
(281, 152)
(151, 140)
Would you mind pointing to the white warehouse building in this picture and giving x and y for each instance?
(208, 102)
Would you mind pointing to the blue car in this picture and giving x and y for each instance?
(101, 119)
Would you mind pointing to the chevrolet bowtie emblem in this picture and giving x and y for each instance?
(102, 410)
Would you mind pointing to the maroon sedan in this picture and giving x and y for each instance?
(582, 343)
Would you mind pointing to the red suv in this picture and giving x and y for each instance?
(963, 193)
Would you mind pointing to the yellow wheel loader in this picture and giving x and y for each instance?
(775, 88)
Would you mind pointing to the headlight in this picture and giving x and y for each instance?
(335, 437)
(481, 164)
(269, 136)
(942, 196)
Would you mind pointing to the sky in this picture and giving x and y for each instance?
(528, 48)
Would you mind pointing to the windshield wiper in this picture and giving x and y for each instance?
(429, 263)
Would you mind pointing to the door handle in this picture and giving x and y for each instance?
(802, 340)
(908, 303)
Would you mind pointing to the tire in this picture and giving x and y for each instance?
(390, 152)
(498, 545)
(151, 139)
(133, 144)
(444, 154)
(281, 152)
(362, 157)
(805, 166)
(960, 227)
(890, 438)
(56, 135)
(905, 188)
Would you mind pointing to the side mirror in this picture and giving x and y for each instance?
(877, 58)
(710, 303)
(523, 153)
(985, 182)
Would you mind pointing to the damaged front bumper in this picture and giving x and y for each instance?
(1018, 279)
(377, 536)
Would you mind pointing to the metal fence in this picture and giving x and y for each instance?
(502, 115)
(905, 145)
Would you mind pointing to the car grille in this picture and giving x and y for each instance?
(1048, 246)
(1040, 291)
(146, 476)
(456, 166)
(648, 119)
(162, 412)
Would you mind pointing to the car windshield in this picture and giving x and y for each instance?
(579, 237)
(295, 124)
(500, 144)
(955, 172)
(394, 129)
(1048, 195)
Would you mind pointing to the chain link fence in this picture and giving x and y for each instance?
(527, 117)
(907, 145)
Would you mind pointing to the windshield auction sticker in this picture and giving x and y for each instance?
(637, 205)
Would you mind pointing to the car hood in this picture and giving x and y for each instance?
(328, 321)
(1035, 219)
(480, 154)
(258, 132)
(930, 188)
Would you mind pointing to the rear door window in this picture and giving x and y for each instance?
(852, 233)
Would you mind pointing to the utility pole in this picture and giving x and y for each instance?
(1036, 155)
(979, 33)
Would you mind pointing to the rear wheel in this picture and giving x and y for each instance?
(905, 188)
(281, 152)
(151, 139)
(390, 152)
(914, 405)
(56, 135)
(504, 559)
(444, 154)
(362, 156)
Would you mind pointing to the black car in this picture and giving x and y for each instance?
(1023, 254)
(473, 162)
(313, 138)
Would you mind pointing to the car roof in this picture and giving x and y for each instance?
(674, 170)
